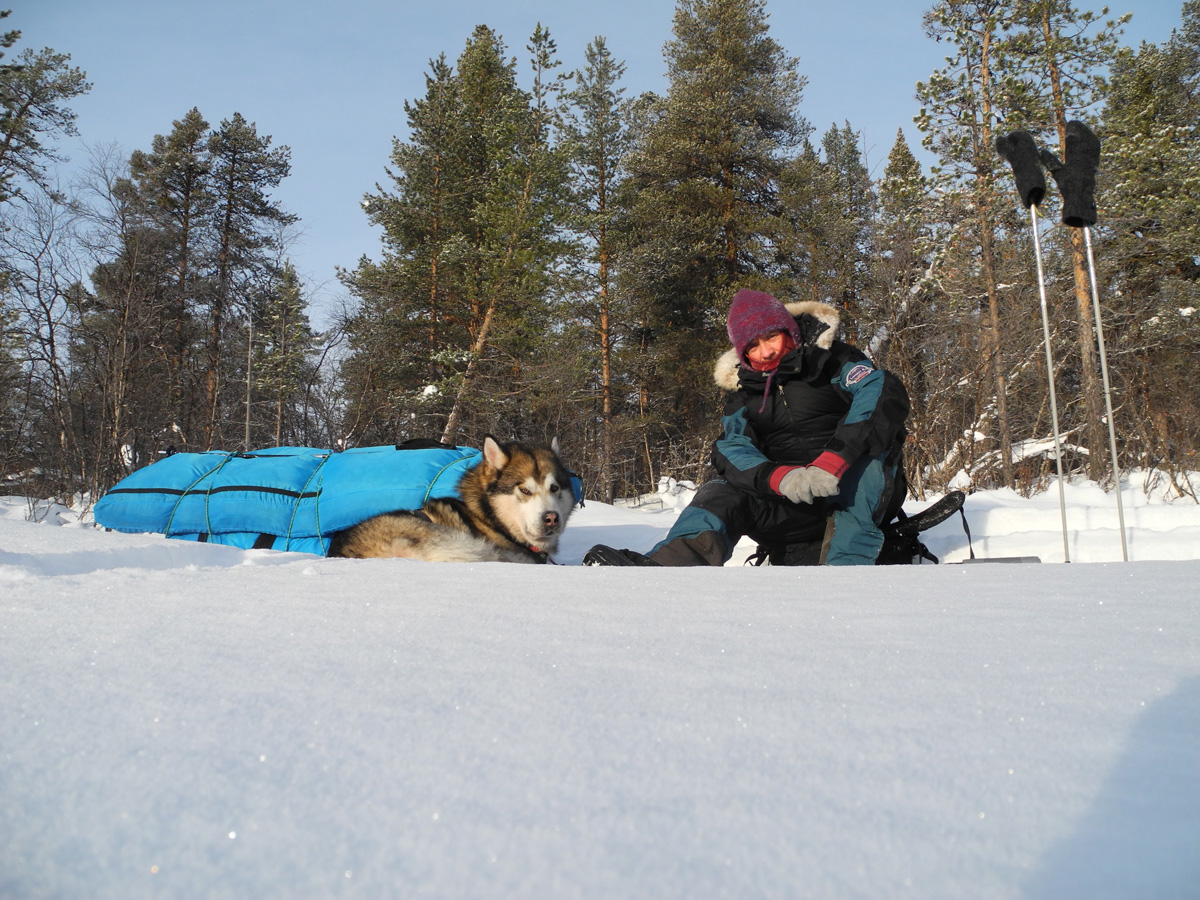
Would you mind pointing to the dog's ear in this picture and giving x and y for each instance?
(493, 455)
(554, 447)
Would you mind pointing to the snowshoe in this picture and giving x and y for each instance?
(603, 555)
(933, 515)
(902, 547)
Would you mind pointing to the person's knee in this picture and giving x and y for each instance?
(855, 541)
(719, 497)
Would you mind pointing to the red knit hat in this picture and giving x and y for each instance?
(754, 314)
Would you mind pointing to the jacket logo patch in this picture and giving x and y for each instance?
(857, 374)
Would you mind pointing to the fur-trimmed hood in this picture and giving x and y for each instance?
(819, 324)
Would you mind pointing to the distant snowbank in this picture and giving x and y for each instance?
(1161, 523)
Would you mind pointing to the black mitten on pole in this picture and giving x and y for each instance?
(1022, 154)
(1076, 177)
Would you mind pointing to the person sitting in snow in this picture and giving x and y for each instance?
(810, 461)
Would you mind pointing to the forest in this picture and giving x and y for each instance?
(558, 257)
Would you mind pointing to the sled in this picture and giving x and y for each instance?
(998, 559)
(283, 498)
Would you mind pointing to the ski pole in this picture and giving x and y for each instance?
(1058, 456)
(1076, 179)
(1021, 153)
(1112, 432)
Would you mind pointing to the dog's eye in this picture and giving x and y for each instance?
(554, 488)
(526, 491)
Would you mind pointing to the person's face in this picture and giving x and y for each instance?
(767, 349)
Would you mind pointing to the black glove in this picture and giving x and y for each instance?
(1022, 154)
(1076, 177)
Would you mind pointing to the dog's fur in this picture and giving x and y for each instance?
(512, 507)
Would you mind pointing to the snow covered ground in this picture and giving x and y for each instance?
(192, 721)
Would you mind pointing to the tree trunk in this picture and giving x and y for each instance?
(1089, 382)
(606, 412)
(983, 191)
(450, 433)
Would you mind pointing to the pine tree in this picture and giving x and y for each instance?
(474, 219)
(1149, 183)
(596, 137)
(403, 332)
(283, 342)
(704, 215)
(802, 189)
(171, 188)
(903, 195)
(829, 201)
(33, 92)
(961, 104)
(900, 332)
(245, 225)
(35, 89)
(207, 196)
(847, 203)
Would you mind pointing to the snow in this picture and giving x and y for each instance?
(184, 720)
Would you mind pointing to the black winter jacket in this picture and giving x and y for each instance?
(828, 405)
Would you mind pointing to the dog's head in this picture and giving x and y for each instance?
(529, 490)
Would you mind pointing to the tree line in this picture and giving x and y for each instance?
(557, 259)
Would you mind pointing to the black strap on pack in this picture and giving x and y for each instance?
(967, 529)
(423, 444)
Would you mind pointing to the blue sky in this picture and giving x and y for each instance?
(329, 79)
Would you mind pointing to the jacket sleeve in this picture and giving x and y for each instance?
(736, 454)
(879, 406)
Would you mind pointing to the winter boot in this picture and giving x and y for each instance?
(603, 555)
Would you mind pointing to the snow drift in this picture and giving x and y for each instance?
(189, 720)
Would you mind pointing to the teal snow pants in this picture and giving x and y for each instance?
(870, 495)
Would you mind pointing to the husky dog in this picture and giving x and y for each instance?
(512, 507)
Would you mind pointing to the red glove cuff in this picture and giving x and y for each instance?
(831, 463)
(777, 476)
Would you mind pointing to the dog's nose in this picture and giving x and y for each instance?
(550, 520)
